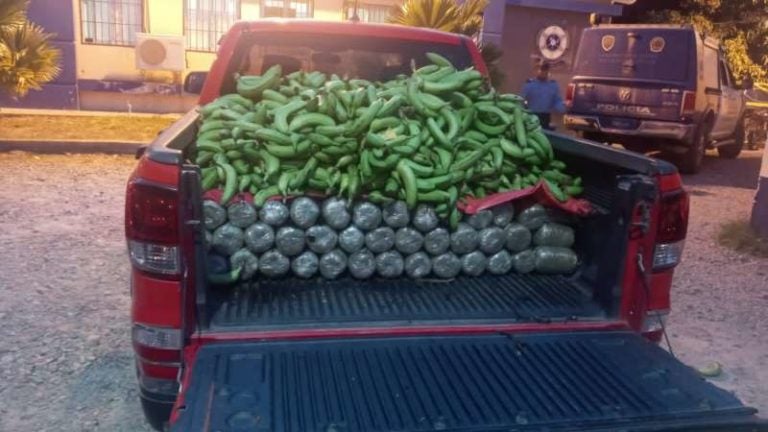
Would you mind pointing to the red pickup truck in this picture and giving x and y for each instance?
(512, 352)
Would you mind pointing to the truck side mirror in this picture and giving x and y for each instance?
(194, 81)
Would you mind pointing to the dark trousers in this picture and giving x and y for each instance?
(544, 119)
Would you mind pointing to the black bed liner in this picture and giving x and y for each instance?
(510, 297)
(591, 381)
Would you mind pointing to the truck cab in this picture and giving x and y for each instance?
(492, 352)
(656, 87)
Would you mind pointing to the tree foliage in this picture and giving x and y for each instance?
(741, 25)
(27, 60)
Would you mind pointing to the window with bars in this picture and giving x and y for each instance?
(111, 22)
(367, 12)
(205, 21)
(287, 8)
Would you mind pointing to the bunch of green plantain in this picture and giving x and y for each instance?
(432, 137)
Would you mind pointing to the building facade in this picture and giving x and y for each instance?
(97, 39)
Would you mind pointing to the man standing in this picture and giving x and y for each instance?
(543, 96)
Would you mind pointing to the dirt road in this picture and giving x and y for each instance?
(65, 357)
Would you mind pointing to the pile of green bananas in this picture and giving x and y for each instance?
(432, 137)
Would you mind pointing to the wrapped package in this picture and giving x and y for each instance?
(305, 265)
(274, 213)
(446, 266)
(351, 239)
(474, 263)
(533, 217)
(492, 240)
(524, 262)
(437, 241)
(214, 215)
(274, 264)
(335, 213)
(227, 239)
(216, 264)
(424, 218)
(555, 260)
(380, 240)
(389, 264)
(518, 237)
(333, 263)
(500, 263)
(321, 238)
(362, 264)
(480, 220)
(304, 212)
(366, 216)
(207, 240)
(503, 215)
(289, 241)
(241, 214)
(259, 237)
(464, 240)
(418, 265)
(247, 261)
(408, 240)
(395, 214)
(554, 234)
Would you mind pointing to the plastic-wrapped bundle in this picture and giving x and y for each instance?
(437, 241)
(408, 240)
(274, 264)
(390, 264)
(351, 239)
(518, 237)
(241, 214)
(333, 263)
(289, 241)
(553, 234)
(524, 262)
(207, 240)
(555, 260)
(214, 215)
(335, 213)
(305, 265)
(380, 240)
(503, 215)
(247, 261)
(418, 265)
(216, 264)
(533, 217)
(474, 263)
(395, 214)
(366, 216)
(480, 220)
(500, 263)
(304, 212)
(274, 213)
(492, 240)
(321, 238)
(362, 264)
(227, 239)
(464, 240)
(424, 218)
(259, 237)
(446, 266)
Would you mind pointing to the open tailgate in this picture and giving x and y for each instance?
(589, 381)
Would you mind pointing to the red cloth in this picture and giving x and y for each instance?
(539, 194)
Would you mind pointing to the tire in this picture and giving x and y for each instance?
(156, 413)
(732, 151)
(690, 162)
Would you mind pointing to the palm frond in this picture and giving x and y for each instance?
(27, 61)
(13, 13)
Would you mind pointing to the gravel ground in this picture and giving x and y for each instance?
(65, 357)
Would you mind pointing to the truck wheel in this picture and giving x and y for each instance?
(156, 413)
(731, 151)
(690, 161)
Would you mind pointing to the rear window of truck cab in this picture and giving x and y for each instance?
(645, 53)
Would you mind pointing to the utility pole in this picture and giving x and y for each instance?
(759, 220)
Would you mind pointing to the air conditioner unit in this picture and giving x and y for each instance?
(160, 52)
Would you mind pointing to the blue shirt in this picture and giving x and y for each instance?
(543, 96)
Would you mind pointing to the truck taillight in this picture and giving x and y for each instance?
(570, 91)
(151, 226)
(688, 104)
(672, 228)
(157, 337)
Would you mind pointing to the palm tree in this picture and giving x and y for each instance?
(27, 61)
